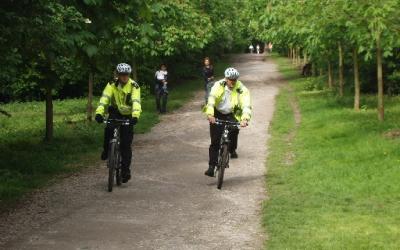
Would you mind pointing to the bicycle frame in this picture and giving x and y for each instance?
(116, 134)
(228, 125)
(116, 139)
(114, 158)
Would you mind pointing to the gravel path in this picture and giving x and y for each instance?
(169, 203)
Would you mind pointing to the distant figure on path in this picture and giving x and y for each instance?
(208, 76)
(270, 47)
(251, 48)
(161, 88)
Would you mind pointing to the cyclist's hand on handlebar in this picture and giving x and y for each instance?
(211, 119)
(133, 121)
(99, 118)
(244, 123)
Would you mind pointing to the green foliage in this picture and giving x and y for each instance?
(313, 84)
(58, 43)
(340, 35)
(340, 190)
(317, 26)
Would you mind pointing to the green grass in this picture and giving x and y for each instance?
(26, 162)
(343, 189)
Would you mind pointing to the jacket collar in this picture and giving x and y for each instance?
(238, 85)
(127, 87)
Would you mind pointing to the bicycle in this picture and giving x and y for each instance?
(114, 153)
(223, 157)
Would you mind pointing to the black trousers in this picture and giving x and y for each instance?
(161, 97)
(126, 134)
(216, 132)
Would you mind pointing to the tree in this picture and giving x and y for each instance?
(353, 27)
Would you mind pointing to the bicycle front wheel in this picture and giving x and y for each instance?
(118, 176)
(112, 160)
(222, 164)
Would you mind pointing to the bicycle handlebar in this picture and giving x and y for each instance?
(225, 122)
(124, 122)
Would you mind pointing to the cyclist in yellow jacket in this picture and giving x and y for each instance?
(122, 101)
(229, 100)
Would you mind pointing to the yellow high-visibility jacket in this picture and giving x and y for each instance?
(239, 100)
(126, 98)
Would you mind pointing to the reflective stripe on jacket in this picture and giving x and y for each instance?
(126, 99)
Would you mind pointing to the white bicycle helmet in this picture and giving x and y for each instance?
(231, 74)
(124, 68)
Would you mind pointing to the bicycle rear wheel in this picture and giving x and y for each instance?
(222, 164)
(111, 165)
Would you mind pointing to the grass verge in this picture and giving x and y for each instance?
(341, 190)
(26, 162)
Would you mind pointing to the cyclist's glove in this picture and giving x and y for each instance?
(133, 121)
(99, 118)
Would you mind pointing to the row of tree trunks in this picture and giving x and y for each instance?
(295, 55)
(357, 84)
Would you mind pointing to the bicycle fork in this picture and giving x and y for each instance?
(115, 141)
(224, 141)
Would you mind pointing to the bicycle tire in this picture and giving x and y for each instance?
(222, 164)
(118, 176)
(111, 166)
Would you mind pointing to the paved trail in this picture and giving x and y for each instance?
(169, 203)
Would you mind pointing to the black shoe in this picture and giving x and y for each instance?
(126, 176)
(210, 171)
(234, 155)
(104, 155)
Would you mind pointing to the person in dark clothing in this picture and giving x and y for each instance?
(161, 88)
(208, 76)
(307, 70)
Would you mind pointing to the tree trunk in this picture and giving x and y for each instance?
(134, 70)
(298, 56)
(381, 110)
(356, 81)
(321, 72)
(341, 76)
(293, 56)
(89, 113)
(314, 69)
(330, 75)
(49, 114)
